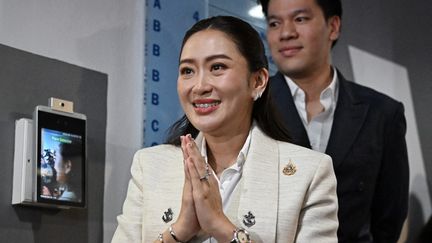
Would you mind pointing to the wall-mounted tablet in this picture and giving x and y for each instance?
(60, 150)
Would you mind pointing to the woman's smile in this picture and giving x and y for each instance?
(205, 106)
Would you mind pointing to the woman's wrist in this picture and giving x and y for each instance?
(224, 231)
(174, 235)
(179, 233)
(167, 237)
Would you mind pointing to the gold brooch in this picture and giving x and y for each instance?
(290, 169)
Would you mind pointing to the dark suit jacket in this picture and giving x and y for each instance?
(367, 144)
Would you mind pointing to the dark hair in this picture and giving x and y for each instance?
(249, 44)
(72, 152)
(330, 8)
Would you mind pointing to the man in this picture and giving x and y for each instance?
(361, 129)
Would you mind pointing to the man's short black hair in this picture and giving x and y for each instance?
(330, 8)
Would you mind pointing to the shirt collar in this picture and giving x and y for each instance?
(332, 88)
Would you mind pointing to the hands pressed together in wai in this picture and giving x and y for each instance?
(201, 209)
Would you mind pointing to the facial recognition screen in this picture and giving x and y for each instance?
(60, 163)
(61, 160)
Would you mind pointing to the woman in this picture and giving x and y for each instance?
(228, 173)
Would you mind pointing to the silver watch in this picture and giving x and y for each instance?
(240, 236)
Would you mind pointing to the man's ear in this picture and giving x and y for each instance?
(334, 23)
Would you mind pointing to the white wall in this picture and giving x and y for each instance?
(103, 35)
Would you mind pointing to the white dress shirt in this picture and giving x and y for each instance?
(230, 176)
(319, 127)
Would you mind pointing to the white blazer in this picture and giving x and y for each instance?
(301, 207)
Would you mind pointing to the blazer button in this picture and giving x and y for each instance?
(361, 186)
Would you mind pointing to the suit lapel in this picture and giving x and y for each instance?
(288, 111)
(349, 116)
(259, 187)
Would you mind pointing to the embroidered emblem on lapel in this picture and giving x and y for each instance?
(249, 219)
(290, 169)
(168, 215)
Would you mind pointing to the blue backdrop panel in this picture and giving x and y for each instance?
(166, 23)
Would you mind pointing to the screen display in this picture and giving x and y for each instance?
(61, 160)
(60, 166)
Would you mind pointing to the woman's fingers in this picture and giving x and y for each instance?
(201, 165)
(205, 190)
(187, 224)
(183, 140)
(198, 175)
(200, 194)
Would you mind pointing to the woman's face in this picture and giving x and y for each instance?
(214, 85)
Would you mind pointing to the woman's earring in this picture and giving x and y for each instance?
(257, 96)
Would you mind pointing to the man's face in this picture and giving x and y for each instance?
(299, 36)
